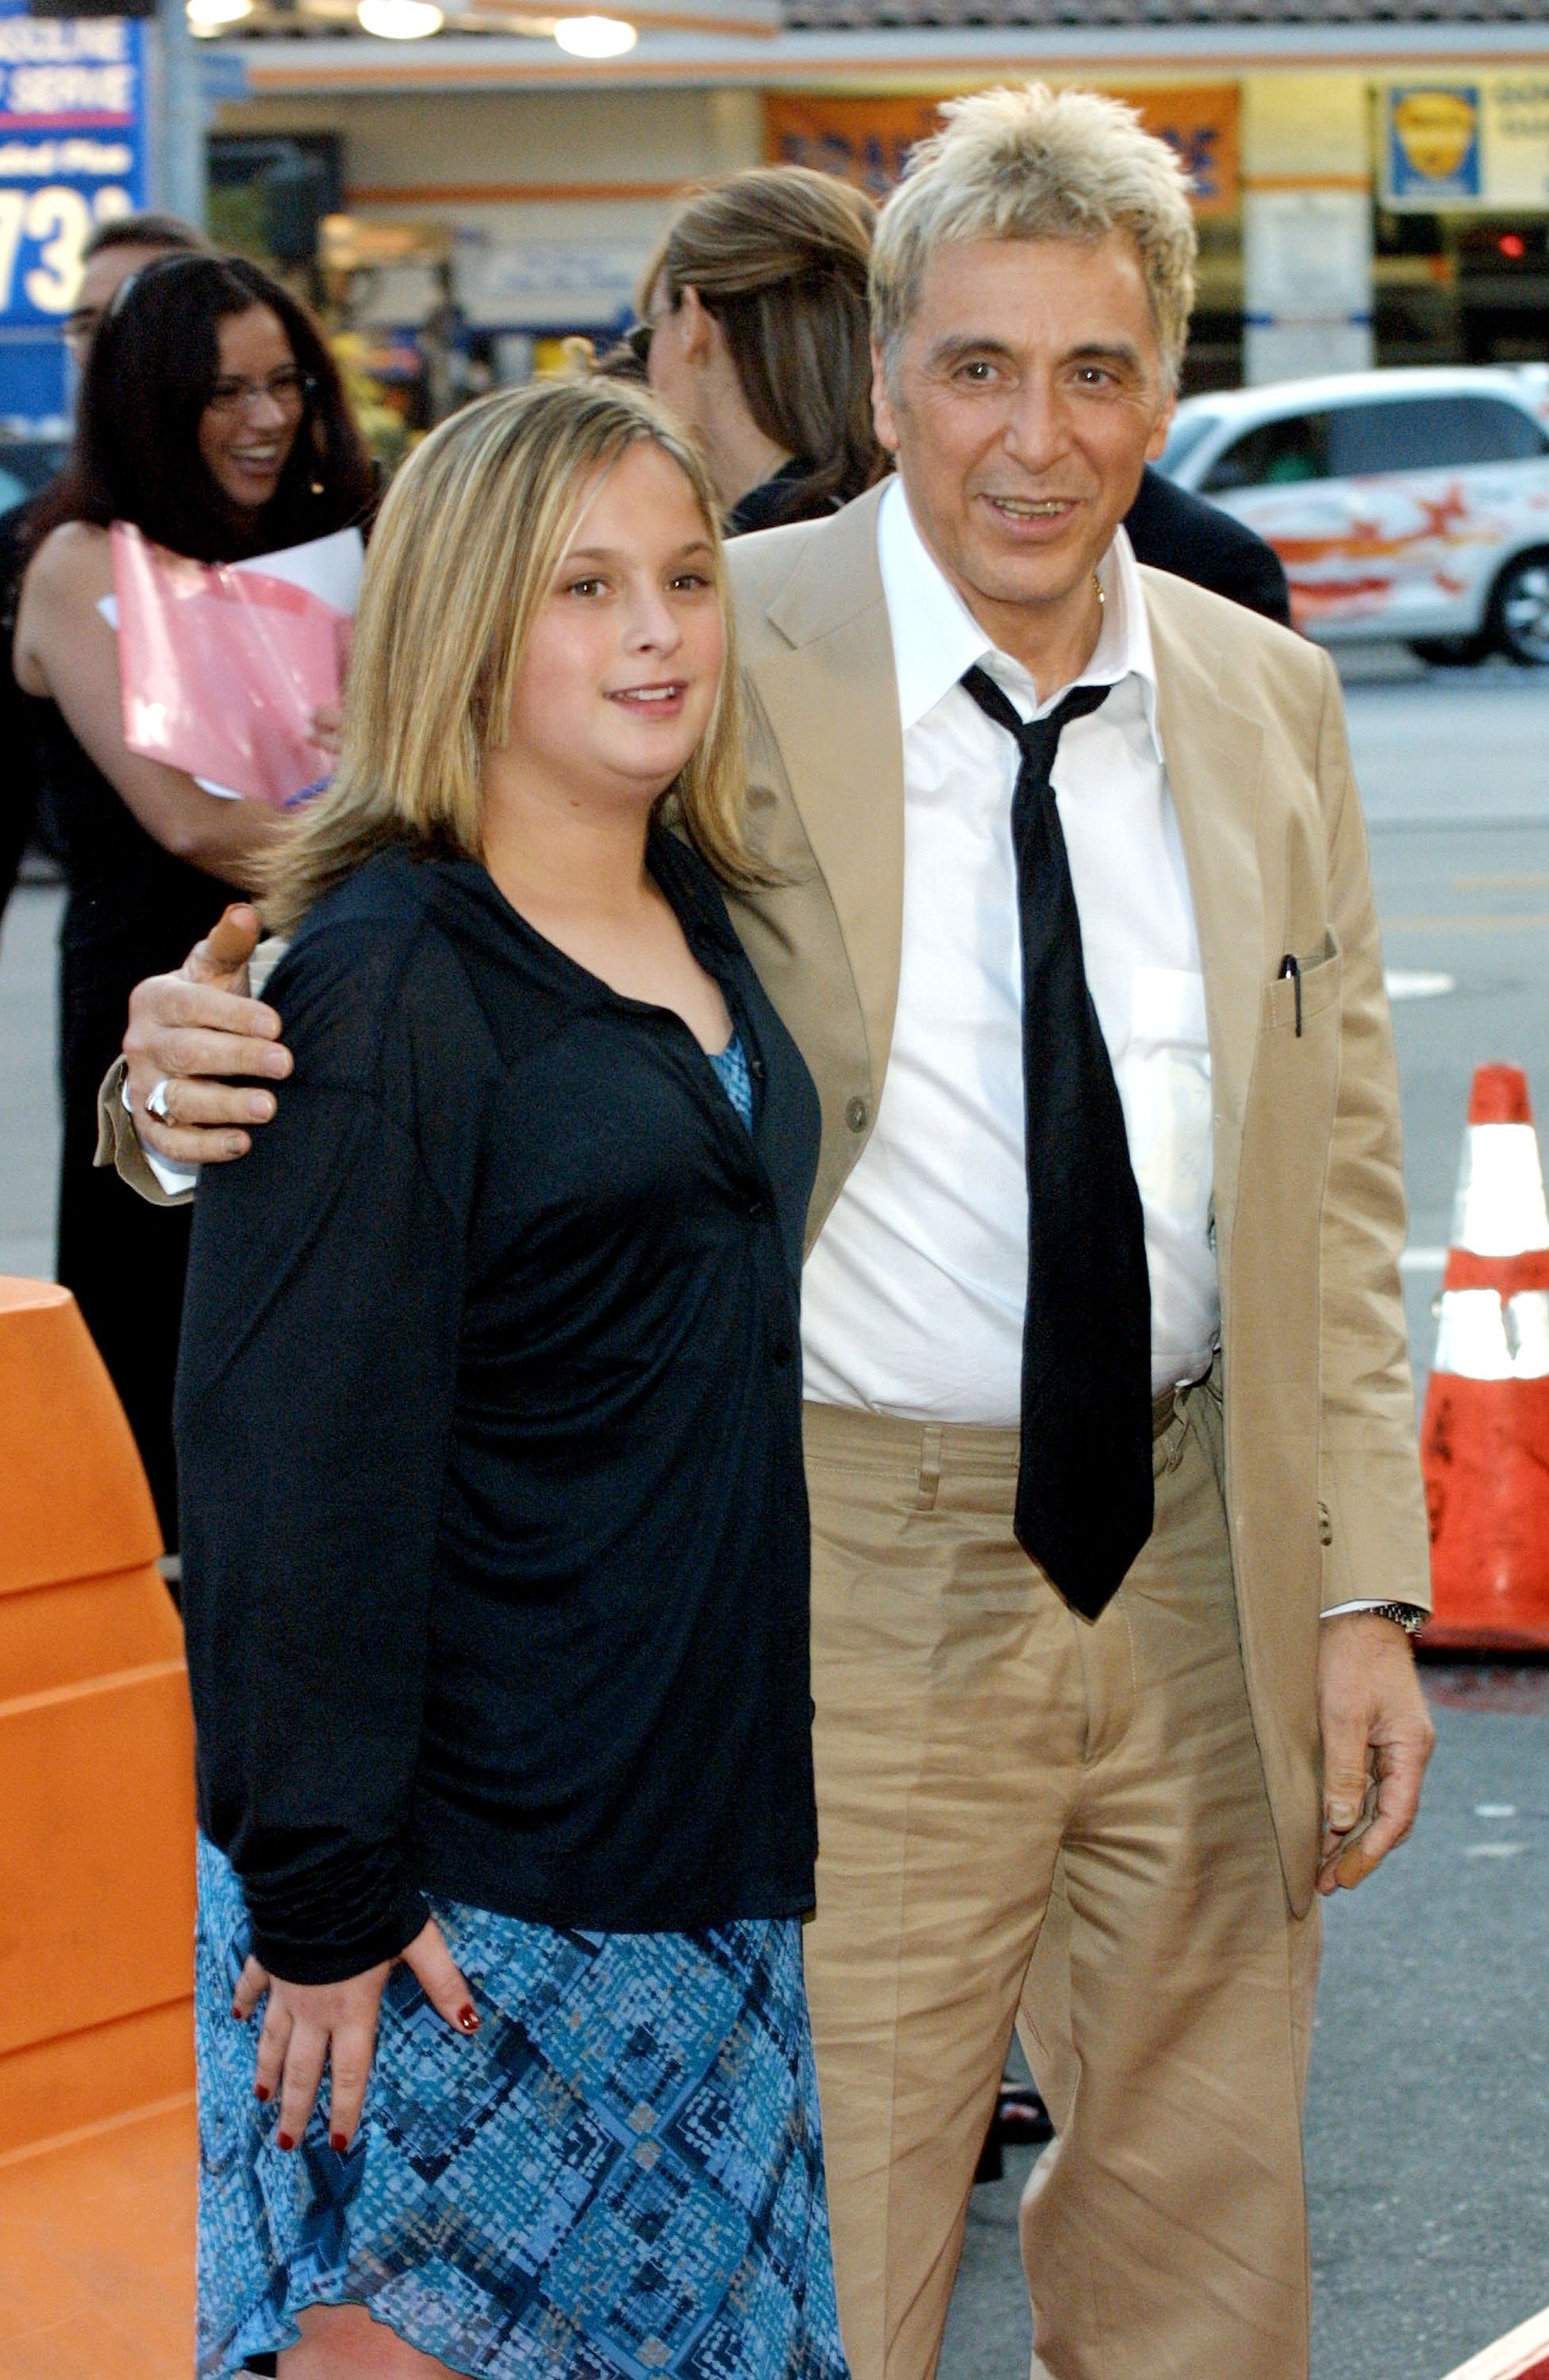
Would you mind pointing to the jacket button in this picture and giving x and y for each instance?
(855, 1116)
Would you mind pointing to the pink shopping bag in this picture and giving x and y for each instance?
(222, 667)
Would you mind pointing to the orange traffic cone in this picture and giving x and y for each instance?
(1522, 2354)
(1484, 1447)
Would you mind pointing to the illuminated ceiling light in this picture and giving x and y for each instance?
(209, 16)
(594, 37)
(400, 20)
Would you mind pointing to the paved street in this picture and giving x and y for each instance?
(1453, 771)
(1429, 2112)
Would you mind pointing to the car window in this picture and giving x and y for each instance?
(1275, 454)
(1183, 437)
(1431, 433)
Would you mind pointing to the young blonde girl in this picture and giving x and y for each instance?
(496, 1531)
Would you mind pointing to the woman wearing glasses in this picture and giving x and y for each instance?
(212, 417)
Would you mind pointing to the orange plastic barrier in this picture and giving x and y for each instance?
(96, 1750)
(97, 2253)
(1484, 1446)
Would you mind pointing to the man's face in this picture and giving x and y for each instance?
(102, 275)
(1026, 398)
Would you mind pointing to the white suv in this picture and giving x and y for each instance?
(1402, 503)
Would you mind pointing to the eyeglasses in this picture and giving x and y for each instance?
(638, 339)
(80, 327)
(290, 388)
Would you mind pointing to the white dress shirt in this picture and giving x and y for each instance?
(913, 1297)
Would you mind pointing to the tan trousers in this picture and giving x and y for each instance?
(1027, 1817)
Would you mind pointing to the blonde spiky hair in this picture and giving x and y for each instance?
(1030, 163)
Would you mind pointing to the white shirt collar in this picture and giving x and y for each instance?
(936, 637)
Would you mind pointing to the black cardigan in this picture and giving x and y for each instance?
(1174, 529)
(495, 1528)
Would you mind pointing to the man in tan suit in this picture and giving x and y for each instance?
(1109, 1619)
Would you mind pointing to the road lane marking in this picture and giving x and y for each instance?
(1415, 983)
(1422, 1260)
(1522, 922)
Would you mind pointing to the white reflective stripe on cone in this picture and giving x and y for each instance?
(1500, 1209)
(1485, 1337)
(1519, 2356)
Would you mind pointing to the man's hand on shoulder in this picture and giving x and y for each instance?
(1376, 1737)
(194, 1031)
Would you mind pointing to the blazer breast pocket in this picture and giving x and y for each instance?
(1297, 996)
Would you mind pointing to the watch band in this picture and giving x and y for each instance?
(1407, 1616)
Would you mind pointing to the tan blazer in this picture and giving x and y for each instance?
(1322, 1484)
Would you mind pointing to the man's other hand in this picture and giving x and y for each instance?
(1376, 1736)
(194, 1031)
(326, 728)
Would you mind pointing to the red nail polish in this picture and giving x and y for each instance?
(261, 2091)
(236, 2011)
(284, 2141)
(468, 2017)
(337, 2142)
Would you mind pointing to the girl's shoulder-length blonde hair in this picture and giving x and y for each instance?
(464, 552)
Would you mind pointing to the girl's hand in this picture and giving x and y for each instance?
(309, 2026)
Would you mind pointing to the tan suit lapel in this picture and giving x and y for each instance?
(1214, 757)
(830, 698)
(831, 703)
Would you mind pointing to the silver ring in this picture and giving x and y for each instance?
(155, 1102)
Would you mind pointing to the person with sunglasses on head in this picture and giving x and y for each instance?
(754, 330)
(212, 418)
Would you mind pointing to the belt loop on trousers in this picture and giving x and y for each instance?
(1173, 1405)
(930, 1466)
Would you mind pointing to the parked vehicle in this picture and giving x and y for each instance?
(1403, 504)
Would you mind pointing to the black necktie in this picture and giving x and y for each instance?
(1084, 1499)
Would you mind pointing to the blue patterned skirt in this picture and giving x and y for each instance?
(620, 2176)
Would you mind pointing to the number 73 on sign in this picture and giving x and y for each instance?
(56, 220)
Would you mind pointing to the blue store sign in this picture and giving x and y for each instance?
(72, 154)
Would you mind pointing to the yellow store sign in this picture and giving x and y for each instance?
(1482, 143)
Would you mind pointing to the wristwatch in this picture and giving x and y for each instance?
(1407, 1616)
